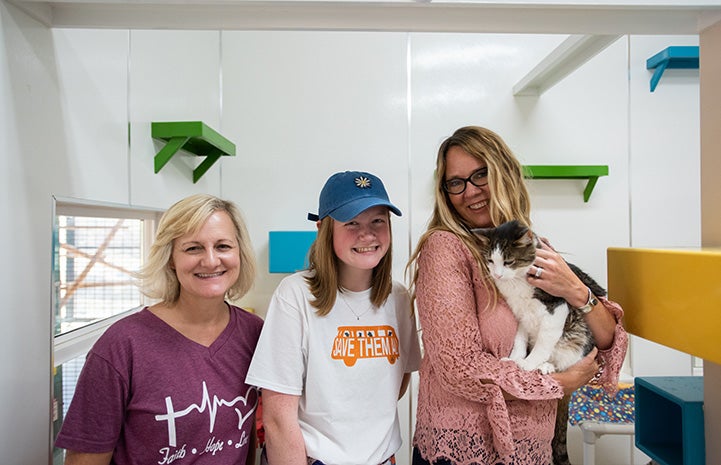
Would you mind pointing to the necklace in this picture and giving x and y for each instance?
(357, 315)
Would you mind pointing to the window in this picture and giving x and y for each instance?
(96, 249)
(697, 366)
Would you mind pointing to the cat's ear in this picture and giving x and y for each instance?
(530, 236)
(482, 234)
(526, 237)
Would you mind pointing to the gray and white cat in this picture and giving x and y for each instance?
(552, 335)
(555, 333)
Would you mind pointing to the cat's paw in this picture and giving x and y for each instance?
(526, 364)
(547, 368)
(517, 354)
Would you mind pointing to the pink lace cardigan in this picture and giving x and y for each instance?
(462, 415)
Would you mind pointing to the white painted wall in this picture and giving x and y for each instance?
(33, 165)
(75, 121)
(665, 192)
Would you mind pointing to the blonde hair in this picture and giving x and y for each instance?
(159, 280)
(323, 263)
(509, 199)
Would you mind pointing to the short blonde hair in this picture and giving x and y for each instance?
(159, 280)
(509, 199)
(323, 263)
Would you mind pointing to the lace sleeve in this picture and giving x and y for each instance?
(450, 295)
(612, 358)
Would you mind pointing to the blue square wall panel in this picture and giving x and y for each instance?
(288, 250)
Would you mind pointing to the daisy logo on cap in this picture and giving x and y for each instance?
(362, 182)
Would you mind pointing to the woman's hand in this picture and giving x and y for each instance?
(556, 277)
(579, 374)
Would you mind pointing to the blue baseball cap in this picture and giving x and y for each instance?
(345, 195)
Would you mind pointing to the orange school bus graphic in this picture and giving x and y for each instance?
(354, 342)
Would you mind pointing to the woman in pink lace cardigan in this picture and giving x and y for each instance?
(474, 407)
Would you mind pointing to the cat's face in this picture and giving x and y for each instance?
(509, 250)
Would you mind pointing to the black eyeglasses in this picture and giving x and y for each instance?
(478, 178)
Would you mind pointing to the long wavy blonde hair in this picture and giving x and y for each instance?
(158, 280)
(323, 263)
(509, 197)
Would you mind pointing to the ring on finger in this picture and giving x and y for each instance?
(539, 272)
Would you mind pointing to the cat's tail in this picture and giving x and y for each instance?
(559, 445)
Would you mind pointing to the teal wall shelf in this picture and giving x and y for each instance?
(680, 57)
(288, 250)
(669, 419)
(194, 137)
(589, 172)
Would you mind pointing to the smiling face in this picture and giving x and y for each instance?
(207, 261)
(361, 243)
(473, 203)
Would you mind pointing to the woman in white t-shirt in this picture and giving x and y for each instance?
(339, 340)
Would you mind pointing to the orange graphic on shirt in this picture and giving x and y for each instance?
(354, 342)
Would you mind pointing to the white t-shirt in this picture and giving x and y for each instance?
(347, 368)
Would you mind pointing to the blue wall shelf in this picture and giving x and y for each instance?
(288, 250)
(669, 419)
(680, 57)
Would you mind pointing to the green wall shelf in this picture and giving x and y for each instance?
(194, 137)
(590, 172)
(680, 57)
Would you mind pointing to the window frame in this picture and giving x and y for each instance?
(67, 346)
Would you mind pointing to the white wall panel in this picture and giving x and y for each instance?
(665, 150)
(583, 120)
(664, 175)
(32, 158)
(302, 106)
(92, 69)
(461, 80)
(174, 76)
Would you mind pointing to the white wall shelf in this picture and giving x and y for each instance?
(573, 52)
